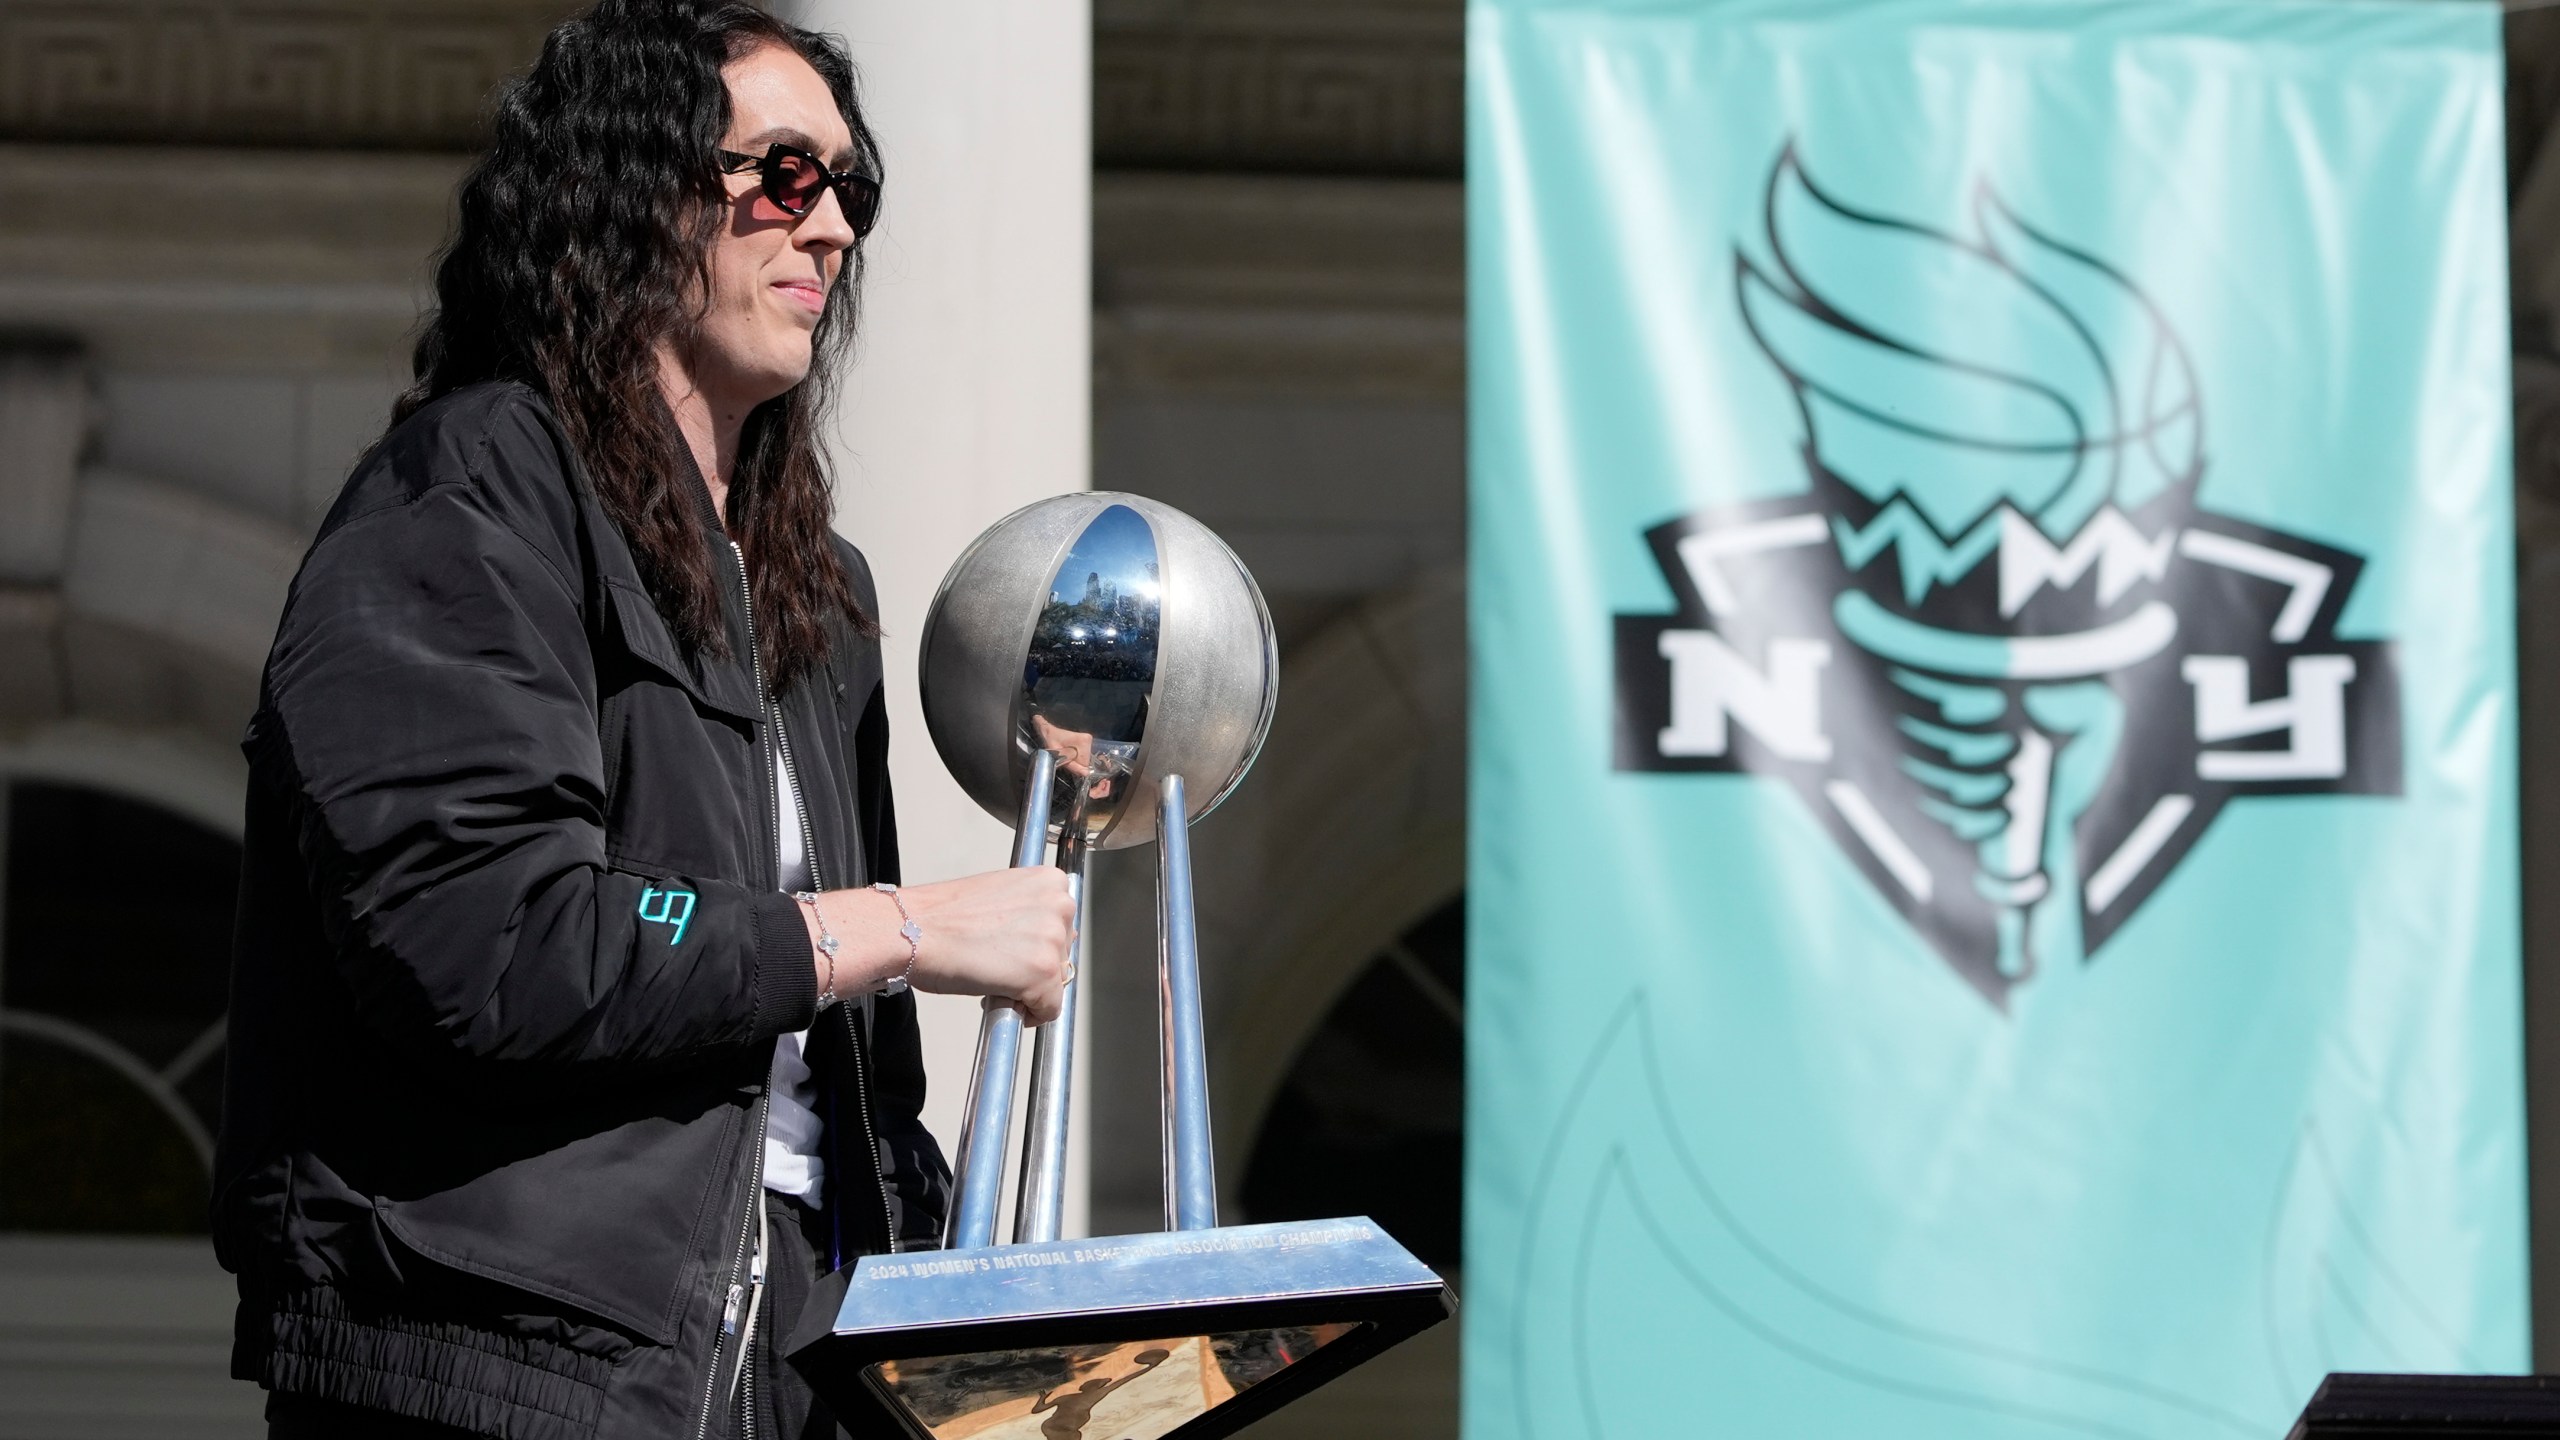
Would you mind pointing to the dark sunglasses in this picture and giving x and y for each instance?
(793, 179)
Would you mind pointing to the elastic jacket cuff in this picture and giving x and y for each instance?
(786, 976)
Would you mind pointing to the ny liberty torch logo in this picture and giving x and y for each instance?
(1996, 646)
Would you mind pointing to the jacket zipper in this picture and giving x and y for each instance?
(861, 1056)
(817, 882)
(736, 1302)
(862, 1102)
(747, 1340)
(861, 1053)
(737, 1298)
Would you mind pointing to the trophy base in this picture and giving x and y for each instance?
(1191, 1333)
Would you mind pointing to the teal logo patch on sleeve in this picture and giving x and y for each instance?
(672, 907)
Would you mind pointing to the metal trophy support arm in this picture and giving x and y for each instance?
(986, 1123)
(1190, 1171)
(1093, 663)
(977, 1173)
(1039, 1207)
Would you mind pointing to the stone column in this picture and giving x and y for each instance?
(970, 395)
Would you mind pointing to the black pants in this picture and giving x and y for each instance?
(784, 1407)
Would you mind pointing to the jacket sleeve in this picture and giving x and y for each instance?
(431, 702)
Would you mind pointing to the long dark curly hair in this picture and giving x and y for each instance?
(583, 241)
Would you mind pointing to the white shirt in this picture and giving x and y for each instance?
(791, 1163)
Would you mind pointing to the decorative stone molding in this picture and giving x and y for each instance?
(1310, 85)
(311, 261)
(265, 260)
(1330, 86)
(346, 73)
(1279, 285)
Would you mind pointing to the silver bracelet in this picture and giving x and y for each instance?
(914, 935)
(826, 946)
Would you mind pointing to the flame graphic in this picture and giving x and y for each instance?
(1959, 374)
(1996, 400)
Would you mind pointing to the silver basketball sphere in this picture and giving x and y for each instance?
(1114, 631)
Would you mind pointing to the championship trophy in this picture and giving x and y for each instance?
(1100, 670)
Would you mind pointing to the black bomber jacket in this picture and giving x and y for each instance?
(511, 959)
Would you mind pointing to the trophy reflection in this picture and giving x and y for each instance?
(1100, 670)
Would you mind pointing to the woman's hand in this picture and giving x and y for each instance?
(1007, 934)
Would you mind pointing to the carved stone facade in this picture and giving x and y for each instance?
(1268, 285)
(258, 261)
(216, 218)
(413, 75)
(1351, 87)
(1333, 86)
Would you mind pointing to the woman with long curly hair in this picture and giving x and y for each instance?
(571, 1031)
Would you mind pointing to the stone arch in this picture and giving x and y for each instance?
(1351, 828)
(134, 618)
(136, 669)
(1363, 821)
(155, 619)
(177, 770)
(130, 607)
(161, 770)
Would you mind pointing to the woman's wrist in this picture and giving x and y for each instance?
(869, 950)
(909, 931)
(824, 942)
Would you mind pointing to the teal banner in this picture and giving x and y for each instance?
(1992, 896)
